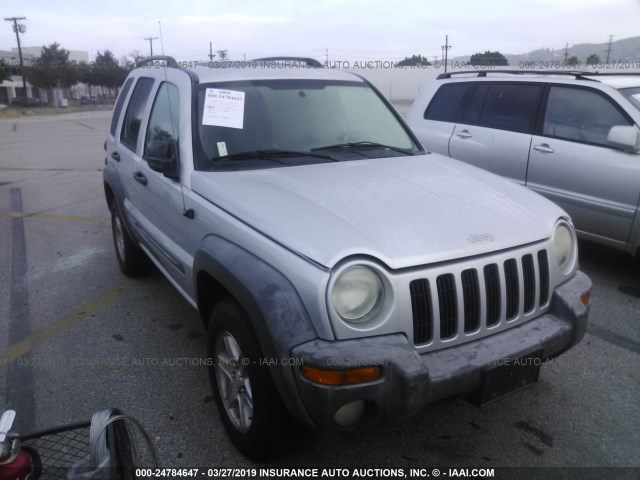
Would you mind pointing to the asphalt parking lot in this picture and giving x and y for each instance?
(77, 336)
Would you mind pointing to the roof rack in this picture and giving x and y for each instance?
(310, 62)
(579, 75)
(171, 62)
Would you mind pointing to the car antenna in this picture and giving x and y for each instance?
(187, 212)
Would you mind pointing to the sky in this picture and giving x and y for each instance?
(329, 29)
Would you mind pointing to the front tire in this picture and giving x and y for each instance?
(254, 416)
(132, 260)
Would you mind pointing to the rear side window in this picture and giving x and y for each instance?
(119, 104)
(580, 115)
(450, 102)
(512, 107)
(472, 116)
(135, 109)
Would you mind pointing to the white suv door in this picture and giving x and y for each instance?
(496, 130)
(573, 164)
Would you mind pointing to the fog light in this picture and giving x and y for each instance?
(349, 414)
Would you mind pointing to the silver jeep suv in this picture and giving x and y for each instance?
(344, 276)
(572, 137)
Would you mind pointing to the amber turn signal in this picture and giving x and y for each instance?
(341, 377)
(586, 298)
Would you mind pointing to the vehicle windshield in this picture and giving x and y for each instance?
(633, 94)
(275, 123)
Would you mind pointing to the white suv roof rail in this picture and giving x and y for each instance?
(579, 75)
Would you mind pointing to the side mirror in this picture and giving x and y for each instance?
(624, 137)
(161, 158)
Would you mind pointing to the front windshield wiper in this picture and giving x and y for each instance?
(272, 154)
(360, 145)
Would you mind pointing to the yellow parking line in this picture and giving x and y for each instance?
(51, 216)
(24, 346)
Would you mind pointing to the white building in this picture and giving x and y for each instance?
(12, 88)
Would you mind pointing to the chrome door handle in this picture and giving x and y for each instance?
(544, 148)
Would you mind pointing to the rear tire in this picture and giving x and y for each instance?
(132, 260)
(253, 414)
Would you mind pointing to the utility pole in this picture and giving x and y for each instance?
(19, 29)
(223, 54)
(445, 49)
(211, 55)
(151, 39)
(326, 55)
(566, 53)
(609, 48)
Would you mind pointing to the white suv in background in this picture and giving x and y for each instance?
(572, 137)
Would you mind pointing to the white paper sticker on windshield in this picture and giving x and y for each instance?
(223, 108)
(636, 96)
(222, 149)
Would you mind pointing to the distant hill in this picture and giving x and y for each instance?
(621, 50)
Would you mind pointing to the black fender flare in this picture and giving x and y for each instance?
(275, 310)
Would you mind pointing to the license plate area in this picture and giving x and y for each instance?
(506, 377)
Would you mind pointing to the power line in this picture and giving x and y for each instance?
(151, 39)
(19, 29)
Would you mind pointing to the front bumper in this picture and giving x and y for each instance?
(411, 381)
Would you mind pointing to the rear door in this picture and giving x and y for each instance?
(572, 163)
(434, 124)
(496, 131)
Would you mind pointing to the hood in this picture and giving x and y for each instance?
(404, 211)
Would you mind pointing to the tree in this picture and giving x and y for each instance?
(593, 59)
(5, 74)
(572, 61)
(52, 69)
(86, 73)
(488, 59)
(107, 72)
(413, 61)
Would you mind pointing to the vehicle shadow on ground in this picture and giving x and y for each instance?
(612, 266)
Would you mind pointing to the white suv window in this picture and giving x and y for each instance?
(450, 102)
(512, 107)
(580, 115)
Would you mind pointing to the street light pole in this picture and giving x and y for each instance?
(17, 28)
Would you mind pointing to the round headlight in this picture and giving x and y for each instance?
(357, 294)
(564, 246)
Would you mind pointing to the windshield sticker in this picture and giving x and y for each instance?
(223, 108)
(222, 149)
(636, 96)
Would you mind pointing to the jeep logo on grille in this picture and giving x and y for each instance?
(480, 237)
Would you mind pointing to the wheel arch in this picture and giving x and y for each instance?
(275, 311)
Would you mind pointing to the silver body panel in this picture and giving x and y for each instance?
(598, 186)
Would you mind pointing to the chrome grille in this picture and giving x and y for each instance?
(471, 300)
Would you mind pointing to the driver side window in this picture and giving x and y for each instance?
(580, 115)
